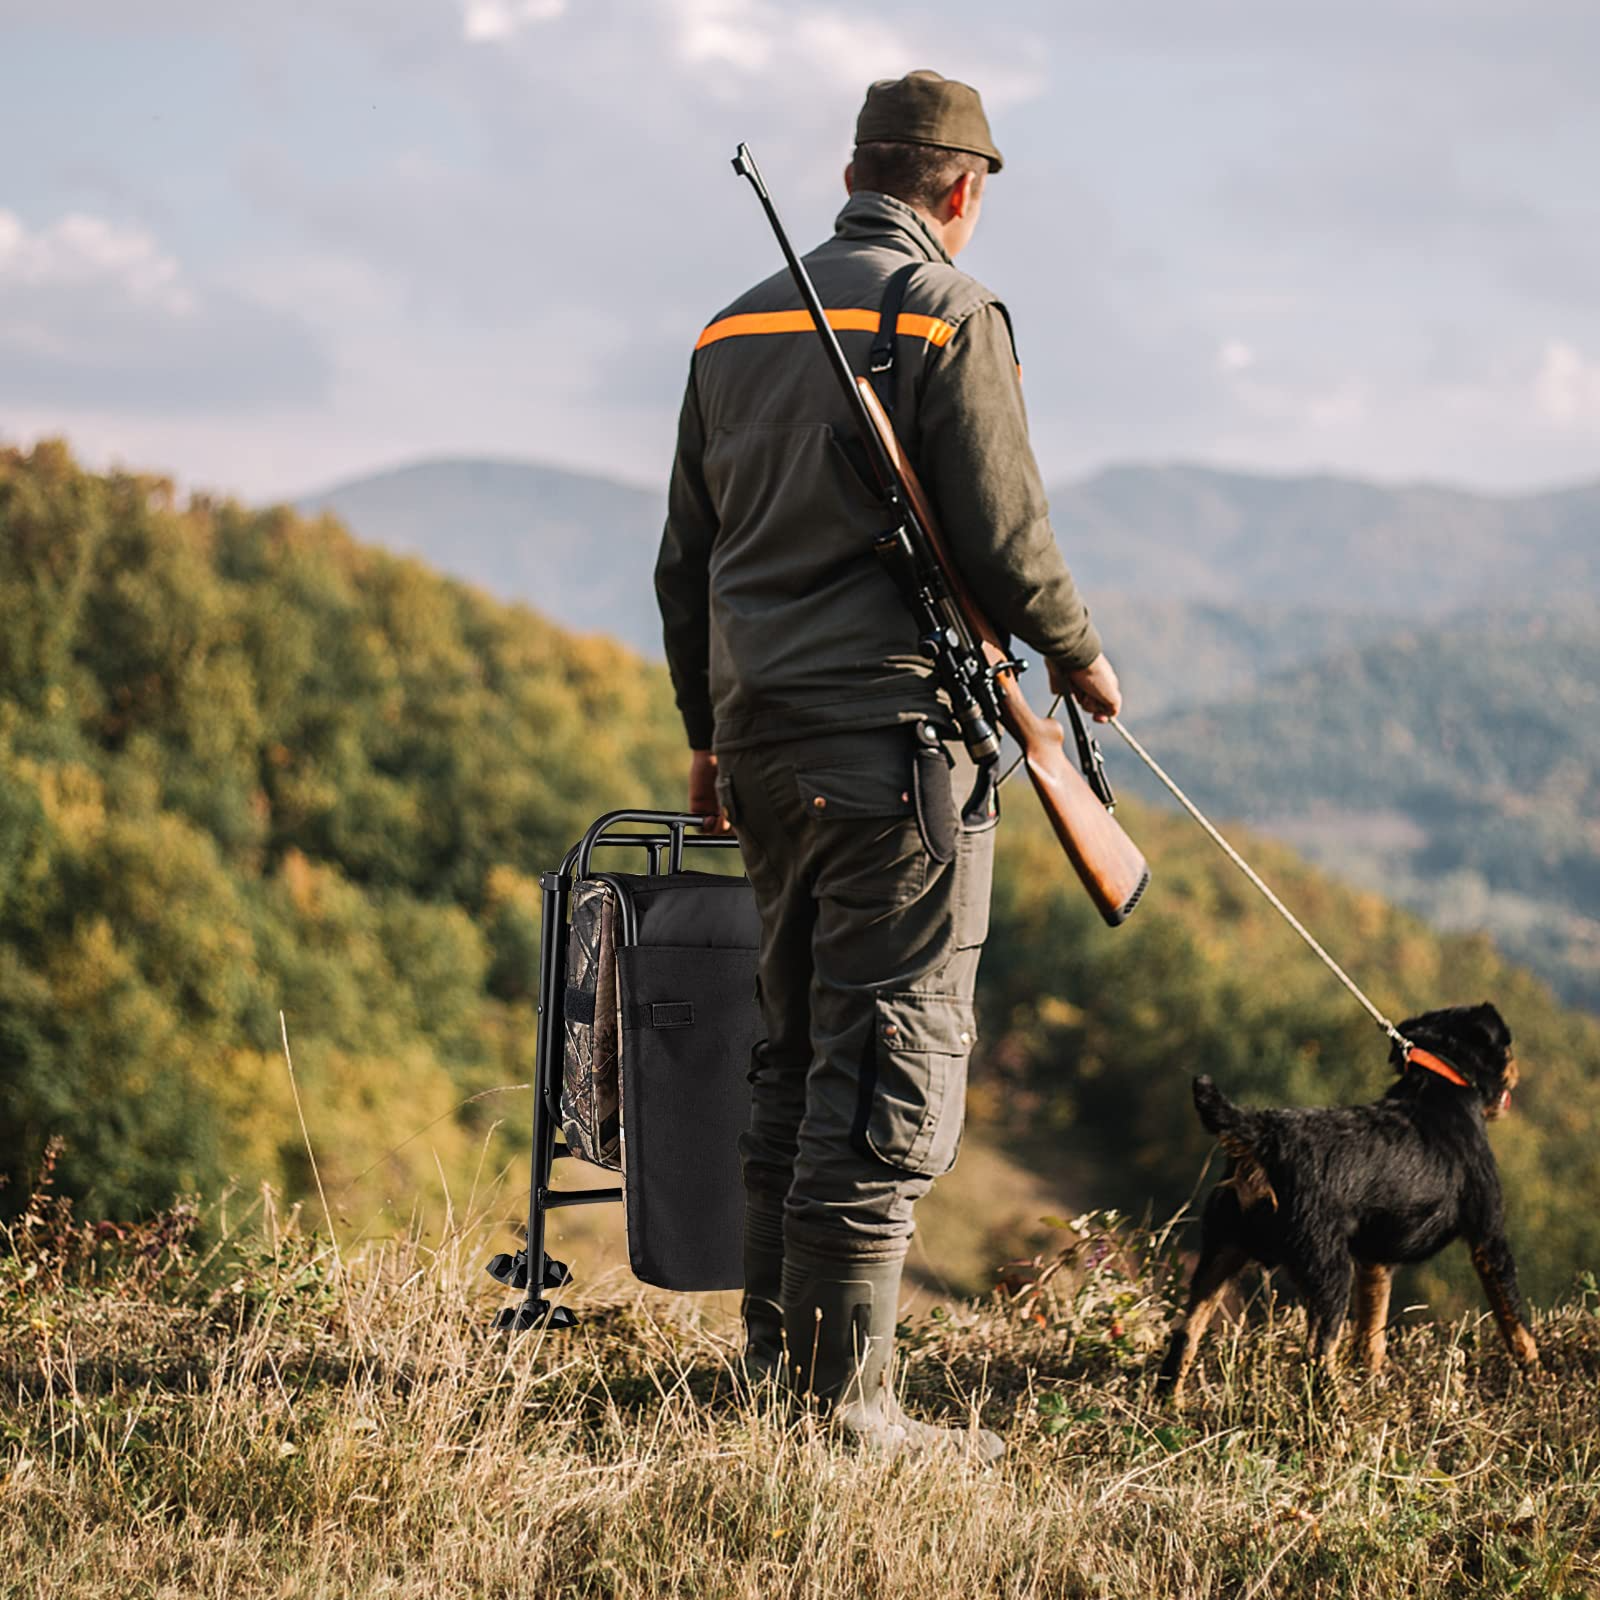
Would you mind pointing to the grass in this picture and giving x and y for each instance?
(256, 1416)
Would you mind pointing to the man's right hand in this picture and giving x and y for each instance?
(1094, 687)
(703, 792)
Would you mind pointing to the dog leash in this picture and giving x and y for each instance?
(1411, 1052)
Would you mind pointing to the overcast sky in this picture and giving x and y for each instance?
(264, 246)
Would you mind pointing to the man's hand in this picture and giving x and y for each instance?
(703, 792)
(1094, 687)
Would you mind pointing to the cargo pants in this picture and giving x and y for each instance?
(874, 903)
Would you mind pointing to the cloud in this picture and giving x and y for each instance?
(1234, 355)
(1329, 234)
(96, 313)
(484, 21)
(840, 47)
(79, 251)
(1310, 406)
(1567, 386)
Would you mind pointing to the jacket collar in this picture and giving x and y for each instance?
(870, 215)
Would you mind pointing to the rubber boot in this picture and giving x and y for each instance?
(761, 1306)
(839, 1314)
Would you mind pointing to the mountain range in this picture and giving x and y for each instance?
(1400, 680)
(1200, 535)
(1233, 552)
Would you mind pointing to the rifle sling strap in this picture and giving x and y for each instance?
(881, 360)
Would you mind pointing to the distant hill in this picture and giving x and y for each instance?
(1170, 653)
(1457, 769)
(1201, 535)
(577, 547)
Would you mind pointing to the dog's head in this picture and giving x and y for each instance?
(1475, 1041)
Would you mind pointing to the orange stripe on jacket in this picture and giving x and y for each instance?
(933, 329)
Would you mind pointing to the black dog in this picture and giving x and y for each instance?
(1344, 1194)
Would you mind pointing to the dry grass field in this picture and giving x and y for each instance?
(262, 1415)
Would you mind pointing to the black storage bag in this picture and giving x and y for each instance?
(685, 953)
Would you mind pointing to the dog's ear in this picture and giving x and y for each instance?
(1493, 1025)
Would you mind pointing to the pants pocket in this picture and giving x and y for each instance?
(914, 1084)
(868, 849)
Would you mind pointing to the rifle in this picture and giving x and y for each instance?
(971, 658)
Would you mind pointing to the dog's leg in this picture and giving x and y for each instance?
(1372, 1314)
(1215, 1270)
(1325, 1282)
(1497, 1272)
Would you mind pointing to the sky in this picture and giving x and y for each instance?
(261, 248)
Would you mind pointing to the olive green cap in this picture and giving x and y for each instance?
(923, 108)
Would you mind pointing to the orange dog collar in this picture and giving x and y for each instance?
(1435, 1064)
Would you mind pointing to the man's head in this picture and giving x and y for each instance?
(925, 140)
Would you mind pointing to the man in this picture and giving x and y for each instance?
(819, 735)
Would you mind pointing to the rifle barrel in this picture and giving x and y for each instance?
(745, 165)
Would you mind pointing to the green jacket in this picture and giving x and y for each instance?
(778, 619)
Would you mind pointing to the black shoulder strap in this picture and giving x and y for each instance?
(1011, 332)
(883, 345)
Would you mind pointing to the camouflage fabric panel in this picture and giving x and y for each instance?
(591, 1105)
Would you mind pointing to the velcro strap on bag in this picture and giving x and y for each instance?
(577, 1005)
(662, 1014)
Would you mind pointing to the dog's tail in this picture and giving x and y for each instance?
(1218, 1114)
(1237, 1132)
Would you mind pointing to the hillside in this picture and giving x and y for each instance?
(578, 547)
(1172, 653)
(269, 1419)
(1456, 769)
(250, 765)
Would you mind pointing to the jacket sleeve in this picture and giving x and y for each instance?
(683, 577)
(976, 462)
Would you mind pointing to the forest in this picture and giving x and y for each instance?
(250, 766)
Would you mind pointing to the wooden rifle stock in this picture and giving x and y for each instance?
(1110, 865)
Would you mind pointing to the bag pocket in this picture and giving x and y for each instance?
(689, 1028)
(914, 1085)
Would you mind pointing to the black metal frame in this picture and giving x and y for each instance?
(531, 1268)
